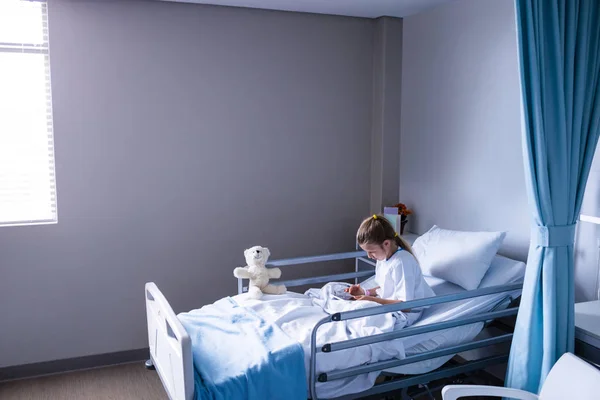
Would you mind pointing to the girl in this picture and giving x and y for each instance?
(397, 273)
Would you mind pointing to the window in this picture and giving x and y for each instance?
(587, 239)
(590, 208)
(27, 177)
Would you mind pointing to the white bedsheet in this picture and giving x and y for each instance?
(447, 337)
(297, 314)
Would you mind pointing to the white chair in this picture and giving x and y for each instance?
(570, 378)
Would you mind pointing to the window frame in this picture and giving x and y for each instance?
(42, 48)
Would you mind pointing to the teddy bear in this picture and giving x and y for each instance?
(258, 274)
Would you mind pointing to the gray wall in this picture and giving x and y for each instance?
(184, 134)
(460, 153)
(461, 163)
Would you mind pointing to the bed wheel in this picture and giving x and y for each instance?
(149, 365)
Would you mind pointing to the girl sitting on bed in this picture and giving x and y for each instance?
(397, 274)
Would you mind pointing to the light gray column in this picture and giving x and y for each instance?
(385, 139)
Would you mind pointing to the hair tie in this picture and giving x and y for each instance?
(374, 216)
(396, 234)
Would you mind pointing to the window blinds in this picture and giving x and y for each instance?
(27, 177)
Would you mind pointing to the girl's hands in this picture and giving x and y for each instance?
(366, 298)
(355, 290)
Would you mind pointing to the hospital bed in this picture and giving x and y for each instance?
(448, 326)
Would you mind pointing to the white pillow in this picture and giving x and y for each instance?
(503, 271)
(459, 257)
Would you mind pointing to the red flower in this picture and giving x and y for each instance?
(403, 210)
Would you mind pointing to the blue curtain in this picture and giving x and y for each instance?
(559, 50)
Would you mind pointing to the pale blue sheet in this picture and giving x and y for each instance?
(237, 355)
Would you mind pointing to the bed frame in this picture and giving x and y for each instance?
(171, 352)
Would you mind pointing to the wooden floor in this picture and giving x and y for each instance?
(121, 382)
(133, 382)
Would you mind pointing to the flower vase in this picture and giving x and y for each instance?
(403, 221)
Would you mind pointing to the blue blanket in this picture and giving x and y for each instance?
(237, 355)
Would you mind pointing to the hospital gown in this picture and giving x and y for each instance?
(400, 278)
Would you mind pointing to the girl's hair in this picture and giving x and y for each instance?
(376, 230)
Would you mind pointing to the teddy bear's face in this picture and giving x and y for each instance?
(257, 255)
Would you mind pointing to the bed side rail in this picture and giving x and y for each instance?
(407, 332)
(358, 255)
(313, 259)
(428, 301)
(416, 330)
